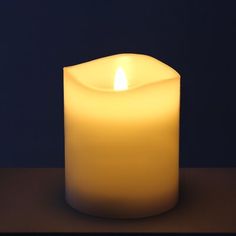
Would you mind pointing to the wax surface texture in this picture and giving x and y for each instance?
(121, 140)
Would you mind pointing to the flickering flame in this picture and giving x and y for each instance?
(120, 81)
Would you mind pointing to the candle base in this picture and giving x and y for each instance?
(121, 209)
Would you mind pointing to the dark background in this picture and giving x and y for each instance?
(39, 38)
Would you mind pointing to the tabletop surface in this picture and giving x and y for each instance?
(32, 200)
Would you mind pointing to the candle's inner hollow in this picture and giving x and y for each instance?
(120, 72)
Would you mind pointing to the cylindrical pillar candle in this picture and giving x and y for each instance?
(121, 117)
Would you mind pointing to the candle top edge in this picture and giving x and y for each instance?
(125, 54)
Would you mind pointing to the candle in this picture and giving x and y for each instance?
(121, 117)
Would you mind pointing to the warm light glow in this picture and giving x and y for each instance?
(120, 81)
(121, 119)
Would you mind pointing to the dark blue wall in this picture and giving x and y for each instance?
(38, 38)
